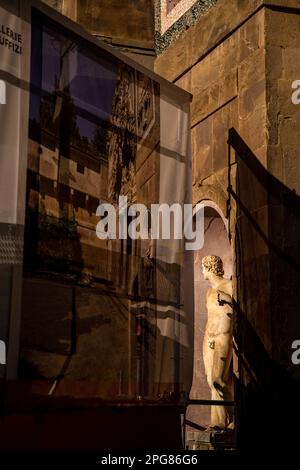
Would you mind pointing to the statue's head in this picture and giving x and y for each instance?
(212, 264)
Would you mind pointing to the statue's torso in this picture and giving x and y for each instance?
(219, 317)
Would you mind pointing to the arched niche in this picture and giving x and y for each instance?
(216, 242)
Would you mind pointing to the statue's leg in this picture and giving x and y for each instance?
(222, 361)
(228, 390)
(220, 375)
(208, 358)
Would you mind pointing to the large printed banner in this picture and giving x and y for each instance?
(14, 99)
(12, 52)
(113, 317)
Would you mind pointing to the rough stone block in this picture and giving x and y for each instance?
(221, 125)
(228, 55)
(175, 60)
(274, 63)
(251, 36)
(214, 188)
(251, 70)
(251, 98)
(200, 107)
(285, 107)
(272, 112)
(202, 150)
(234, 119)
(253, 129)
(205, 72)
(291, 63)
(185, 82)
(282, 28)
(213, 97)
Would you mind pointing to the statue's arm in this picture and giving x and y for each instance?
(225, 294)
(226, 287)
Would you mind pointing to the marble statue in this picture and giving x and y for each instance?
(217, 342)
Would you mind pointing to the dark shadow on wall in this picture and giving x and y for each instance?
(267, 234)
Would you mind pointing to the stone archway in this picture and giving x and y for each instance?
(215, 242)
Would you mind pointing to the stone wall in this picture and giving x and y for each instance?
(283, 117)
(127, 25)
(118, 19)
(239, 61)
